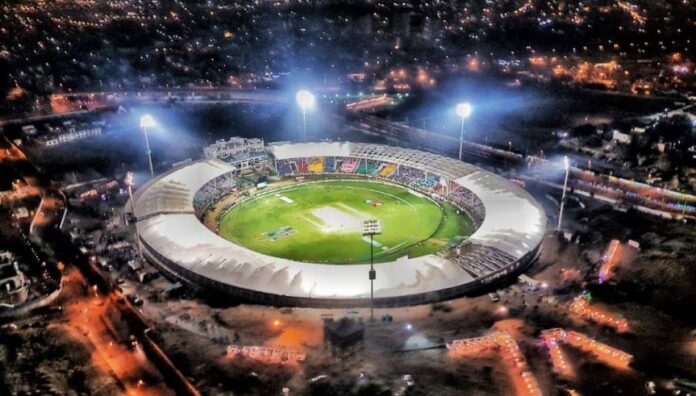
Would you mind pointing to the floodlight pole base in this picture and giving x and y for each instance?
(137, 233)
(373, 276)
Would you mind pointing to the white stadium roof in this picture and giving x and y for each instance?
(173, 192)
(184, 240)
(514, 225)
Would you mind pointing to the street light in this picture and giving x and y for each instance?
(130, 182)
(566, 165)
(305, 100)
(463, 110)
(146, 121)
(372, 227)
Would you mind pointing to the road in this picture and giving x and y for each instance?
(89, 317)
(626, 192)
(99, 315)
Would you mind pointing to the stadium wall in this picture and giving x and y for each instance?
(518, 237)
(211, 287)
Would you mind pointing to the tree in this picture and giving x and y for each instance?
(677, 129)
(5, 82)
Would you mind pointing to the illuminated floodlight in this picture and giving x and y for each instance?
(146, 121)
(305, 99)
(464, 110)
(371, 227)
(566, 163)
(129, 180)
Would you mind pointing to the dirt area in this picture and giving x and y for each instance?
(650, 288)
(413, 342)
(50, 360)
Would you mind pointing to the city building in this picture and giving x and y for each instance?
(244, 154)
(14, 286)
(9, 183)
(70, 134)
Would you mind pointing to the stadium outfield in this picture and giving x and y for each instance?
(320, 219)
(509, 224)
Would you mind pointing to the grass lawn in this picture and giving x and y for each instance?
(320, 222)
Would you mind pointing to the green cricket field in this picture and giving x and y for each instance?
(320, 222)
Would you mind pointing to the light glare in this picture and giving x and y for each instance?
(305, 99)
(464, 110)
(146, 121)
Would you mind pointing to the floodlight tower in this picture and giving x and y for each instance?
(463, 110)
(146, 121)
(566, 165)
(305, 100)
(130, 182)
(372, 227)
